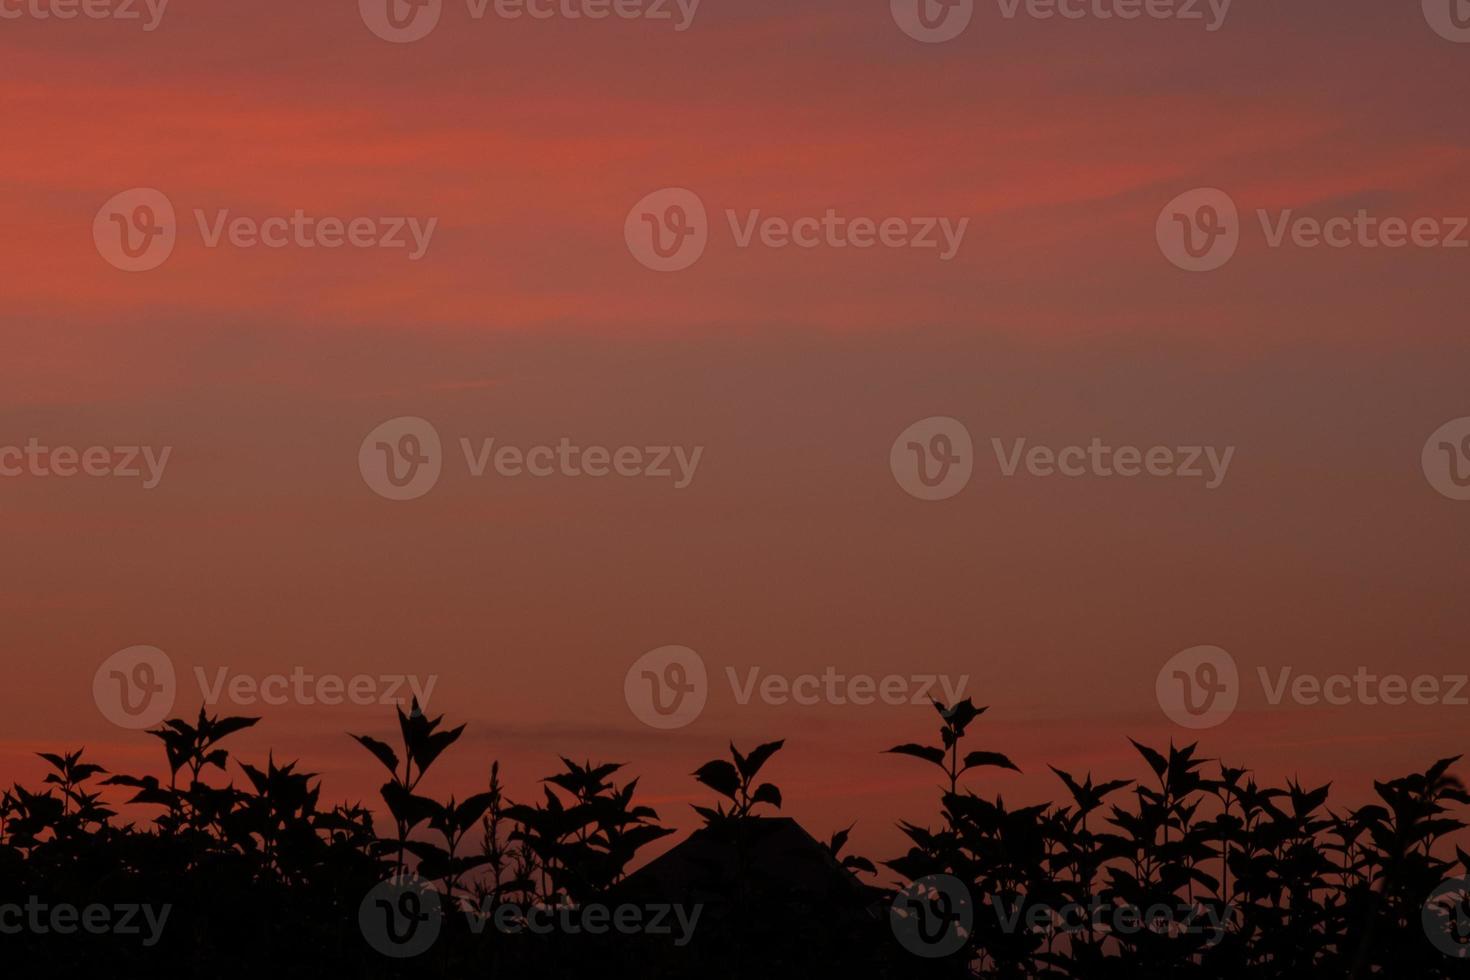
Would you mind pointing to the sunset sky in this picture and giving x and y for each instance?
(527, 320)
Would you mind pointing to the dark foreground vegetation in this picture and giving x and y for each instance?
(245, 872)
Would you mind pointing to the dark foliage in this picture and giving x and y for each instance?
(1258, 882)
(259, 877)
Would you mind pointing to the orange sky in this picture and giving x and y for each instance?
(794, 549)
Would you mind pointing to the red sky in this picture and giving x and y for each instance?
(794, 549)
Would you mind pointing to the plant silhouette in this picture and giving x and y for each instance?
(1199, 871)
(1206, 874)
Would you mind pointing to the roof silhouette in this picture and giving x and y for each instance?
(773, 857)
